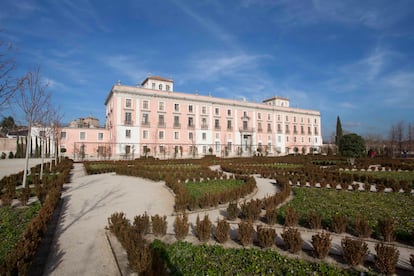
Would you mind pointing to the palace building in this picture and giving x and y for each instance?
(152, 119)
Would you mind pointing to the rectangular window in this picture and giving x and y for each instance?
(259, 116)
(228, 112)
(128, 118)
(217, 124)
(190, 108)
(145, 134)
(190, 121)
(176, 135)
(268, 117)
(161, 121)
(153, 85)
(145, 120)
(82, 135)
(278, 117)
(204, 110)
(190, 136)
(204, 136)
(204, 123)
(294, 119)
(145, 104)
(167, 87)
(287, 128)
(279, 128)
(217, 111)
(63, 135)
(161, 106)
(127, 133)
(229, 125)
(177, 121)
(259, 127)
(269, 127)
(128, 103)
(161, 134)
(245, 125)
(177, 107)
(100, 136)
(287, 119)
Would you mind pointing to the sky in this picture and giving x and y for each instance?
(353, 59)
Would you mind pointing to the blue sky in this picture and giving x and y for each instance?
(350, 58)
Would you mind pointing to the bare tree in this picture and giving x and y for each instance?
(8, 84)
(33, 100)
(410, 137)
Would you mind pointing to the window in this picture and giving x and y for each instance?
(127, 133)
(161, 122)
(204, 136)
(204, 149)
(177, 107)
(100, 136)
(204, 110)
(294, 119)
(268, 117)
(287, 138)
(176, 121)
(153, 85)
(145, 120)
(217, 135)
(259, 116)
(279, 128)
(295, 130)
(161, 106)
(269, 127)
(217, 124)
(217, 111)
(309, 131)
(190, 136)
(145, 104)
(204, 123)
(244, 114)
(190, 108)
(229, 125)
(176, 135)
(161, 134)
(82, 135)
(128, 118)
(160, 87)
(287, 119)
(287, 128)
(245, 125)
(228, 112)
(63, 135)
(161, 149)
(190, 121)
(128, 103)
(42, 133)
(167, 87)
(294, 139)
(279, 139)
(278, 117)
(316, 131)
(259, 127)
(302, 131)
(145, 134)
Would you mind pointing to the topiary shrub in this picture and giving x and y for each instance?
(321, 243)
(181, 226)
(386, 258)
(339, 223)
(203, 228)
(362, 227)
(251, 210)
(271, 216)
(386, 228)
(141, 224)
(292, 239)
(315, 220)
(233, 211)
(266, 236)
(24, 195)
(354, 251)
(222, 231)
(291, 218)
(159, 225)
(246, 232)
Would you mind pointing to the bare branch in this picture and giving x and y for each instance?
(8, 84)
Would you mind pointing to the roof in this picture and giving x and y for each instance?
(275, 98)
(156, 78)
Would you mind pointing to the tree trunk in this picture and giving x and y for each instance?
(28, 145)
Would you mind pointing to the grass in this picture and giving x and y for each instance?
(373, 206)
(13, 222)
(409, 176)
(198, 189)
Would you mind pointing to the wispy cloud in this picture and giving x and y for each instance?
(126, 66)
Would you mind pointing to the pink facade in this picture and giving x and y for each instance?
(152, 119)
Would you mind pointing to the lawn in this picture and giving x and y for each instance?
(403, 175)
(198, 189)
(13, 222)
(373, 206)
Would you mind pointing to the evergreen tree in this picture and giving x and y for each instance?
(352, 145)
(339, 133)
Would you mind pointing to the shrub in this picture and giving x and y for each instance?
(354, 251)
(11, 155)
(159, 225)
(246, 232)
(222, 231)
(271, 216)
(321, 243)
(412, 260)
(251, 210)
(386, 258)
(181, 226)
(291, 218)
(292, 239)
(118, 224)
(315, 220)
(362, 227)
(3, 155)
(233, 211)
(266, 236)
(339, 223)
(141, 224)
(203, 228)
(386, 228)
(139, 253)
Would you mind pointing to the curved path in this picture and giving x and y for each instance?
(80, 246)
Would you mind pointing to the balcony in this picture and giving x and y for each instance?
(217, 127)
(177, 125)
(279, 131)
(161, 124)
(128, 122)
(204, 126)
(269, 130)
(190, 126)
(229, 128)
(259, 129)
(145, 124)
(246, 129)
